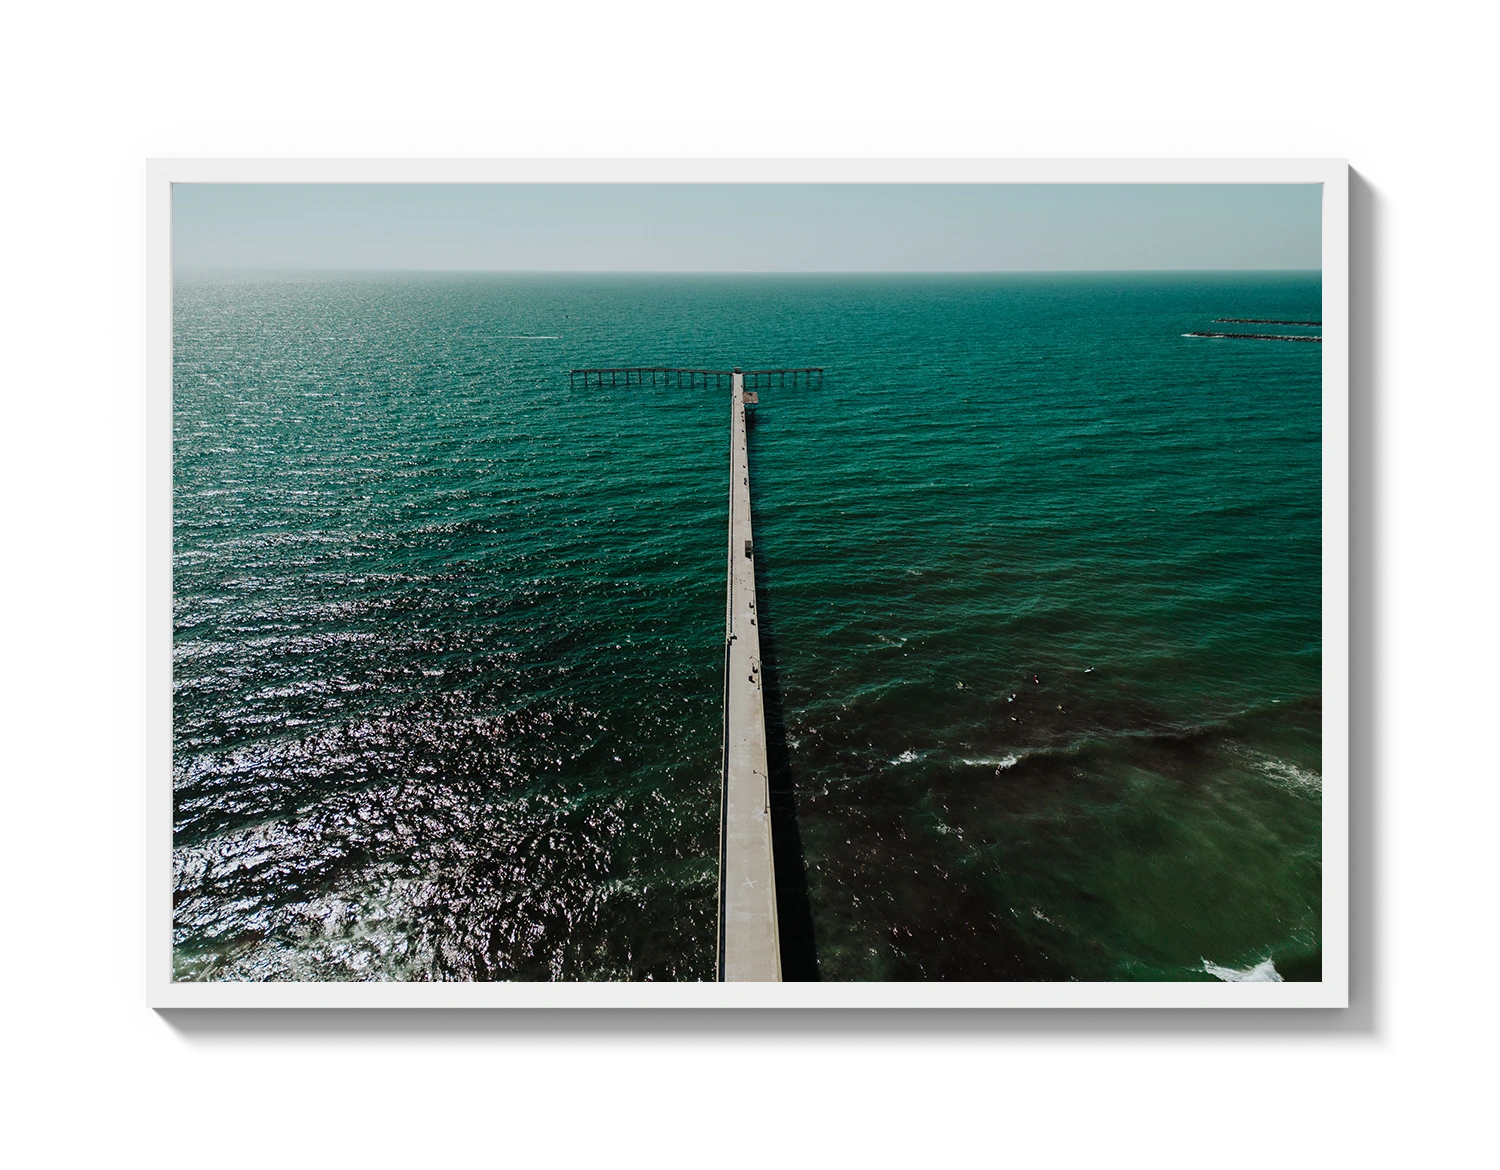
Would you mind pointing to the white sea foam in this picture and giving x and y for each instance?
(999, 763)
(1288, 775)
(905, 757)
(1264, 972)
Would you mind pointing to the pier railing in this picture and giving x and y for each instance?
(689, 378)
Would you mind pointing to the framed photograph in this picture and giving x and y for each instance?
(715, 584)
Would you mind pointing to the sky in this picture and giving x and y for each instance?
(789, 227)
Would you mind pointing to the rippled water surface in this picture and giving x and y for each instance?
(1039, 579)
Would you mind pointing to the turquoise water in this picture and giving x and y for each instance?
(1039, 582)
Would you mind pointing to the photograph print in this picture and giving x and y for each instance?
(684, 582)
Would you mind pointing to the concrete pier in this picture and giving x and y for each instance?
(749, 946)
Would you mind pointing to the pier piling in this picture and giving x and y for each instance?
(672, 376)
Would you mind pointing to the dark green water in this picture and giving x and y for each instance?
(1039, 580)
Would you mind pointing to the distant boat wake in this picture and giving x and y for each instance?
(1259, 336)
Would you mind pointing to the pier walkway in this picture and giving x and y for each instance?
(749, 945)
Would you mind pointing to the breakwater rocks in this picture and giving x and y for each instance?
(1261, 321)
(1259, 336)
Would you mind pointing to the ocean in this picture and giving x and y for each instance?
(1039, 581)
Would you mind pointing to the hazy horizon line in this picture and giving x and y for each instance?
(193, 269)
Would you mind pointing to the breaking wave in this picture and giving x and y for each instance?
(1263, 972)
